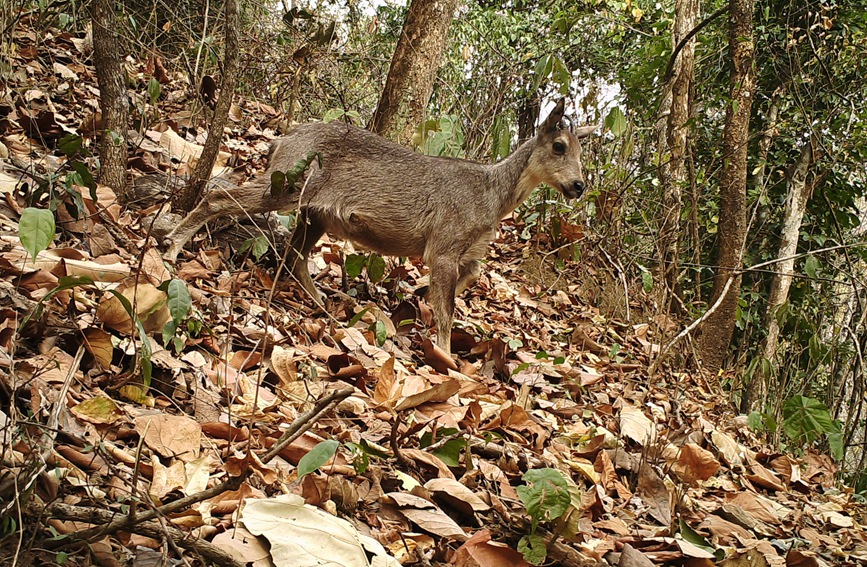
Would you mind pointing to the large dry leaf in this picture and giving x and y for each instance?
(244, 547)
(100, 410)
(171, 435)
(166, 479)
(303, 536)
(438, 393)
(636, 426)
(456, 495)
(98, 344)
(730, 449)
(425, 515)
(480, 551)
(654, 493)
(148, 302)
(695, 464)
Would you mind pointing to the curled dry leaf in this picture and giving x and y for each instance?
(166, 479)
(438, 393)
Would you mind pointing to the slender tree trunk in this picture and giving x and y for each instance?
(672, 133)
(528, 114)
(796, 204)
(717, 329)
(192, 192)
(108, 58)
(765, 142)
(414, 66)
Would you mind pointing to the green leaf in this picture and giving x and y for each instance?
(154, 90)
(502, 136)
(357, 317)
(353, 264)
(376, 268)
(812, 265)
(647, 281)
(179, 301)
(450, 452)
(380, 332)
(616, 121)
(260, 246)
(278, 183)
(837, 446)
(546, 495)
(169, 332)
(360, 457)
(532, 547)
(542, 70)
(85, 177)
(36, 230)
(806, 419)
(287, 220)
(561, 75)
(70, 144)
(316, 457)
(694, 538)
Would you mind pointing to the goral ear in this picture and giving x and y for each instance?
(553, 120)
(585, 131)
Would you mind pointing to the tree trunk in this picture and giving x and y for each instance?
(528, 114)
(192, 192)
(796, 204)
(672, 133)
(114, 106)
(717, 329)
(410, 80)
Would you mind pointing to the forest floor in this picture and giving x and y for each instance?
(425, 459)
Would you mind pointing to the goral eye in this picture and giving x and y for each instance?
(559, 148)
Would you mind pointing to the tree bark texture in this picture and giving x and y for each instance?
(113, 102)
(716, 332)
(413, 70)
(192, 193)
(672, 133)
(796, 204)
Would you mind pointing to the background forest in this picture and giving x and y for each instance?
(725, 206)
(656, 206)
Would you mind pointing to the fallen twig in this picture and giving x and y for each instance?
(213, 554)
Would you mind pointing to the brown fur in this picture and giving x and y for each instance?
(400, 203)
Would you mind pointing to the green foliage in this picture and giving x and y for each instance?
(316, 457)
(761, 422)
(805, 420)
(285, 182)
(180, 305)
(546, 497)
(36, 230)
(442, 137)
(154, 91)
(355, 263)
(257, 246)
(533, 548)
